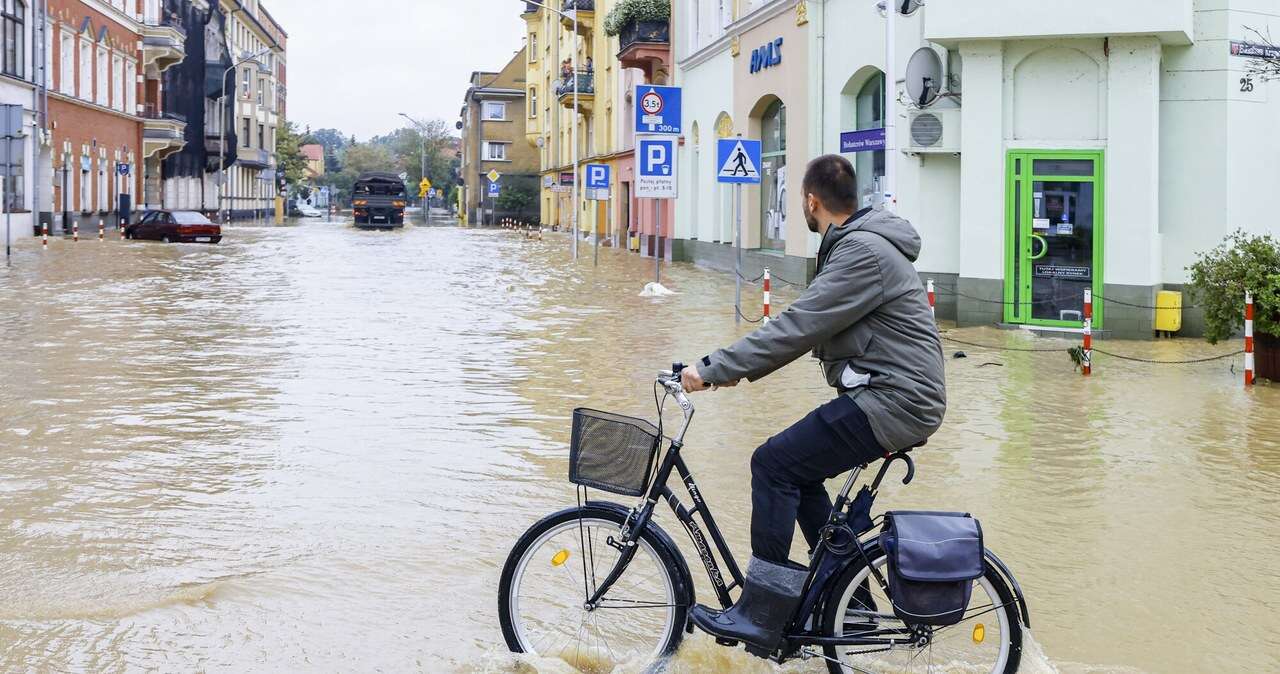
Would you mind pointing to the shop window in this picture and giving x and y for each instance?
(14, 182)
(869, 166)
(773, 188)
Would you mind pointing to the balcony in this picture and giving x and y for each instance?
(586, 90)
(163, 45)
(531, 8)
(645, 45)
(163, 133)
(582, 10)
(253, 158)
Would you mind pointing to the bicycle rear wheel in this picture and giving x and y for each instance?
(987, 640)
(560, 561)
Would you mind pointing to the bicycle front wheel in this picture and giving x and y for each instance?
(555, 567)
(988, 640)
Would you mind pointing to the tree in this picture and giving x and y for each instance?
(519, 199)
(293, 164)
(1266, 65)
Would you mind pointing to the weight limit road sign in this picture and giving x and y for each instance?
(657, 109)
(739, 161)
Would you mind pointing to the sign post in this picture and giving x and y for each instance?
(494, 190)
(656, 179)
(658, 115)
(739, 162)
(598, 190)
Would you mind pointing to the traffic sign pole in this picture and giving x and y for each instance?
(737, 244)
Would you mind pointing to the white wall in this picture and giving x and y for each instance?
(703, 209)
(949, 20)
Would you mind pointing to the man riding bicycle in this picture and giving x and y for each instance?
(867, 319)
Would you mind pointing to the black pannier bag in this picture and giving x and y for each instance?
(933, 559)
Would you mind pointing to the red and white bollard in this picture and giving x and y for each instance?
(75, 231)
(768, 287)
(1248, 338)
(102, 231)
(122, 229)
(933, 299)
(1086, 362)
(44, 235)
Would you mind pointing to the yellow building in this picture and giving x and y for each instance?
(552, 40)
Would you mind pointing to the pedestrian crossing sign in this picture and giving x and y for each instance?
(739, 161)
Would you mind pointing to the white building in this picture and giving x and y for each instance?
(250, 189)
(20, 67)
(1099, 145)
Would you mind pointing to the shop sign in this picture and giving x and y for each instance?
(1254, 50)
(548, 181)
(566, 179)
(867, 140)
(767, 56)
(1072, 273)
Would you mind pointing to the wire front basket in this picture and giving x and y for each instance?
(612, 452)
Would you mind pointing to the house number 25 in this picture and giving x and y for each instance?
(1246, 83)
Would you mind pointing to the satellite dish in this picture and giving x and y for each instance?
(908, 7)
(924, 77)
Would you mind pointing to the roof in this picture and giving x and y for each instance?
(314, 152)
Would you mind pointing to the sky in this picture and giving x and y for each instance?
(354, 65)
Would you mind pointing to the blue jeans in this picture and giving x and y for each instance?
(788, 470)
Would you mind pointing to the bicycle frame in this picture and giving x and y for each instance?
(814, 595)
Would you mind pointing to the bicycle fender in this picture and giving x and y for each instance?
(685, 593)
(1013, 584)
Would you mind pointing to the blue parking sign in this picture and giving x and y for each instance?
(494, 188)
(656, 167)
(657, 109)
(597, 176)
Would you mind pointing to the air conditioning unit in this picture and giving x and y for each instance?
(933, 130)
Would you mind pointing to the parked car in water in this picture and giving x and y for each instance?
(308, 211)
(174, 226)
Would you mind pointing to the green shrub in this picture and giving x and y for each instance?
(632, 11)
(1220, 277)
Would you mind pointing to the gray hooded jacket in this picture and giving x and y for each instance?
(866, 317)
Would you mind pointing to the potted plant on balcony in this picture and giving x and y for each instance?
(639, 21)
(1219, 279)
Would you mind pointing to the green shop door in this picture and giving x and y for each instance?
(1053, 240)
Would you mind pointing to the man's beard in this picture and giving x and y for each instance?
(810, 220)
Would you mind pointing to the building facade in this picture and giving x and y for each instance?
(21, 72)
(493, 125)
(258, 47)
(609, 68)
(1099, 148)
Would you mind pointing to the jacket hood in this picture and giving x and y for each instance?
(897, 231)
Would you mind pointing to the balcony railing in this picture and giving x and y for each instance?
(150, 111)
(585, 81)
(170, 21)
(584, 5)
(644, 32)
(532, 7)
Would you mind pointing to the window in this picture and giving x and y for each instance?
(533, 47)
(869, 166)
(102, 184)
(262, 90)
(85, 90)
(100, 84)
(262, 137)
(15, 47)
(14, 183)
(245, 137)
(130, 88)
(495, 111)
(247, 83)
(117, 83)
(533, 102)
(66, 76)
(495, 151)
(773, 188)
(86, 192)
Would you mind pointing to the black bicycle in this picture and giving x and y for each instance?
(601, 584)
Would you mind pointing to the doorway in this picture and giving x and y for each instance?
(1053, 237)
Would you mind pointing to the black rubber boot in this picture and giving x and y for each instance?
(770, 595)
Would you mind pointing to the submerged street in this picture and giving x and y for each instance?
(312, 447)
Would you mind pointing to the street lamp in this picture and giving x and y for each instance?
(422, 138)
(222, 122)
(573, 129)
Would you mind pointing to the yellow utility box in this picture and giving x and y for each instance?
(1168, 311)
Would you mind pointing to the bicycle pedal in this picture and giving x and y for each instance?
(759, 652)
(726, 642)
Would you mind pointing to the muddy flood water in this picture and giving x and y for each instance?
(310, 448)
